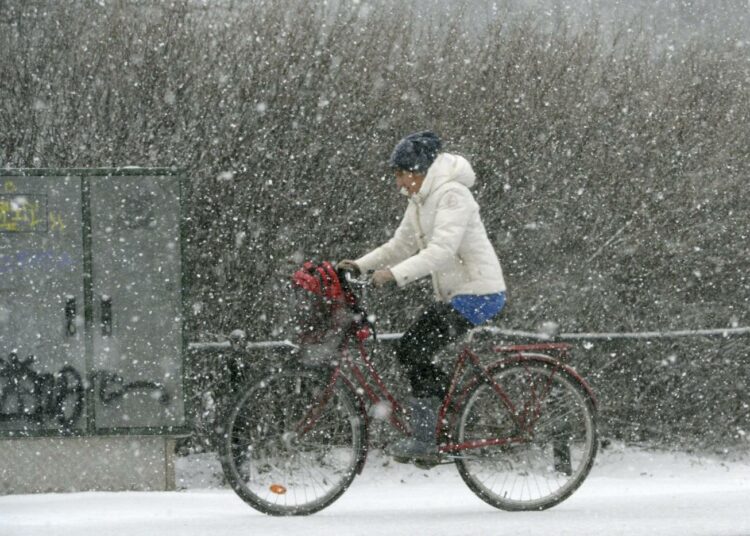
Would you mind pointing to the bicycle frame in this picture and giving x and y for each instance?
(525, 418)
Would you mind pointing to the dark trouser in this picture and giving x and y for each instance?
(436, 327)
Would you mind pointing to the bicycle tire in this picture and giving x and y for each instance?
(278, 467)
(544, 465)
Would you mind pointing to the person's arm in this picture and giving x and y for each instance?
(401, 246)
(454, 211)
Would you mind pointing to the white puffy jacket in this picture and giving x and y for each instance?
(442, 235)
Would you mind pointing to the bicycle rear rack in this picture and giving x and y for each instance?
(558, 349)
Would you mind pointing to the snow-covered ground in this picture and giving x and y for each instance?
(629, 492)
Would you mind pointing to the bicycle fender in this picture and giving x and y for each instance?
(523, 357)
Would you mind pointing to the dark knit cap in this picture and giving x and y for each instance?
(416, 152)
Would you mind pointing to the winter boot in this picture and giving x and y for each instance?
(421, 445)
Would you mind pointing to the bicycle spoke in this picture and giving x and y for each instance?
(556, 438)
(274, 467)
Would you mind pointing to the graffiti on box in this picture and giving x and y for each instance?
(29, 395)
(58, 398)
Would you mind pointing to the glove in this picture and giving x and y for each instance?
(349, 265)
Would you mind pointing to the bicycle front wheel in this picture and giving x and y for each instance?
(543, 437)
(293, 443)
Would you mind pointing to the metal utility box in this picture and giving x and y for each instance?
(91, 330)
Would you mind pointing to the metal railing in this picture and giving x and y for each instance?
(237, 339)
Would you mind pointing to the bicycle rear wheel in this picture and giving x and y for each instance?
(550, 435)
(293, 443)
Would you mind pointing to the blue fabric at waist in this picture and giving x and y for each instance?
(479, 309)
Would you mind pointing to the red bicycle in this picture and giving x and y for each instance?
(521, 430)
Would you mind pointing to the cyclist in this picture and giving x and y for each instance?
(441, 235)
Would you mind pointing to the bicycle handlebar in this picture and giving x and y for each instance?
(358, 280)
(360, 283)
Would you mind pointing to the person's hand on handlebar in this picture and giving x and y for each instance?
(382, 277)
(347, 264)
(379, 277)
